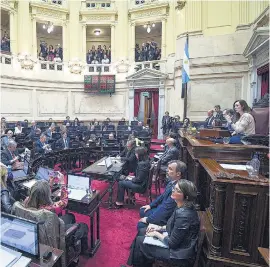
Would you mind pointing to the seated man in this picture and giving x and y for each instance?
(6, 139)
(128, 155)
(41, 146)
(64, 142)
(172, 153)
(161, 209)
(210, 119)
(10, 156)
(33, 135)
(50, 131)
(218, 115)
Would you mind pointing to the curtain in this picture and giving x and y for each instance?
(137, 96)
(155, 104)
(265, 84)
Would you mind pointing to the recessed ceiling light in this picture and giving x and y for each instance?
(97, 32)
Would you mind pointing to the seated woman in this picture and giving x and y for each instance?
(182, 228)
(18, 128)
(6, 199)
(40, 198)
(245, 123)
(76, 122)
(138, 183)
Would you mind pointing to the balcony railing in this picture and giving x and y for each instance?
(98, 68)
(97, 4)
(50, 65)
(51, 2)
(155, 65)
(6, 59)
(136, 3)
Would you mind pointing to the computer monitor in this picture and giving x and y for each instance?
(26, 166)
(44, 173)
(78, 182)
(20, 234)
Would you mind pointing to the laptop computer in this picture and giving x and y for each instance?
(44, 173)
(20, 234)
(110, 167)
(78, 186)
(21, 174)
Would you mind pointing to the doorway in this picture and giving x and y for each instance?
(146, 108)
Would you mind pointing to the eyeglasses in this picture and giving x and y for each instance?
(174, 189)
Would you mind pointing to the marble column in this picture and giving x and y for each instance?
(83, 42)
(64, 42)
(34, 37)
(131, 102)
(12, 33)
(112, 42)
(132, 42)
(163, 38)
(252, 93)
(161, 108)
(24, 27)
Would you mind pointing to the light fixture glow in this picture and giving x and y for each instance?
(97, 32)
(44, 26)
(144, 25)
(148, 30)
(153, 25)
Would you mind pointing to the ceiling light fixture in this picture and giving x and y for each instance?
(97, 32)
(49, 27)
(149, 26)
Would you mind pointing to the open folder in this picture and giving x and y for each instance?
(155, 242)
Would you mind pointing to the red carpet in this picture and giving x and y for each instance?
(117, 231)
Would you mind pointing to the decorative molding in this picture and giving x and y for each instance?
(122, 67)
(107, 16)
(26, 61)
(147, 74)
(76, 66)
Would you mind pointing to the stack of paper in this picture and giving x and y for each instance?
(234, 167)
(8, 256)
(155, 242)
(76, 194)
(30, 183)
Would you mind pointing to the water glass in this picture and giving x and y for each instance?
(226, 140)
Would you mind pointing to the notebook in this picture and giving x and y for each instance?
(77, 186)
(155, 242)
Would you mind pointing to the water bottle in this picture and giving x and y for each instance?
(10, 175)
(255, 162)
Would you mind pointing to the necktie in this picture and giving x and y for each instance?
(65, 143)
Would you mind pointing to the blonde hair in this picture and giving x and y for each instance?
(4, 172)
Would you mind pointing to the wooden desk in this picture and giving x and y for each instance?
(193, 149)
(102, 173)
(265, 254)
(236, 217)
(90, 208)
(56, 254)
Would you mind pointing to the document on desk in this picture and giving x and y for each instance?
(22, 262)
(155, 242)
(8, 256)
(76, 194)
(233, 167)
(102, 163)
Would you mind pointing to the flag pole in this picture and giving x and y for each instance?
(185, 85)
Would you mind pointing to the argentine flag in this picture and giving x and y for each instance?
(185, 68)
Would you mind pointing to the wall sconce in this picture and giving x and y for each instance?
(180, 5)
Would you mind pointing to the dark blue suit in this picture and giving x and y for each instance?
(60, 144)
(161, 208)
(39, 147)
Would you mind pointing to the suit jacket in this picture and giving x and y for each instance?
(164, 205)
(142, 173)
(166, 121)
(170, 154)
(183, 229)
(60, 143)
(6, 156)
(33, 129)
(209, 121)
(39, 147)
(130, 158)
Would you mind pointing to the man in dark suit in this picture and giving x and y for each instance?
(41, 145)
(64, 142)
(67, 122)
(210, 119)
(172, 153)
(166, 123)
(33, 127)
(129, 156)
(10, 155)
(161, 209)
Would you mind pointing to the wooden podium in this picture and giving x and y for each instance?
(215, 132)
